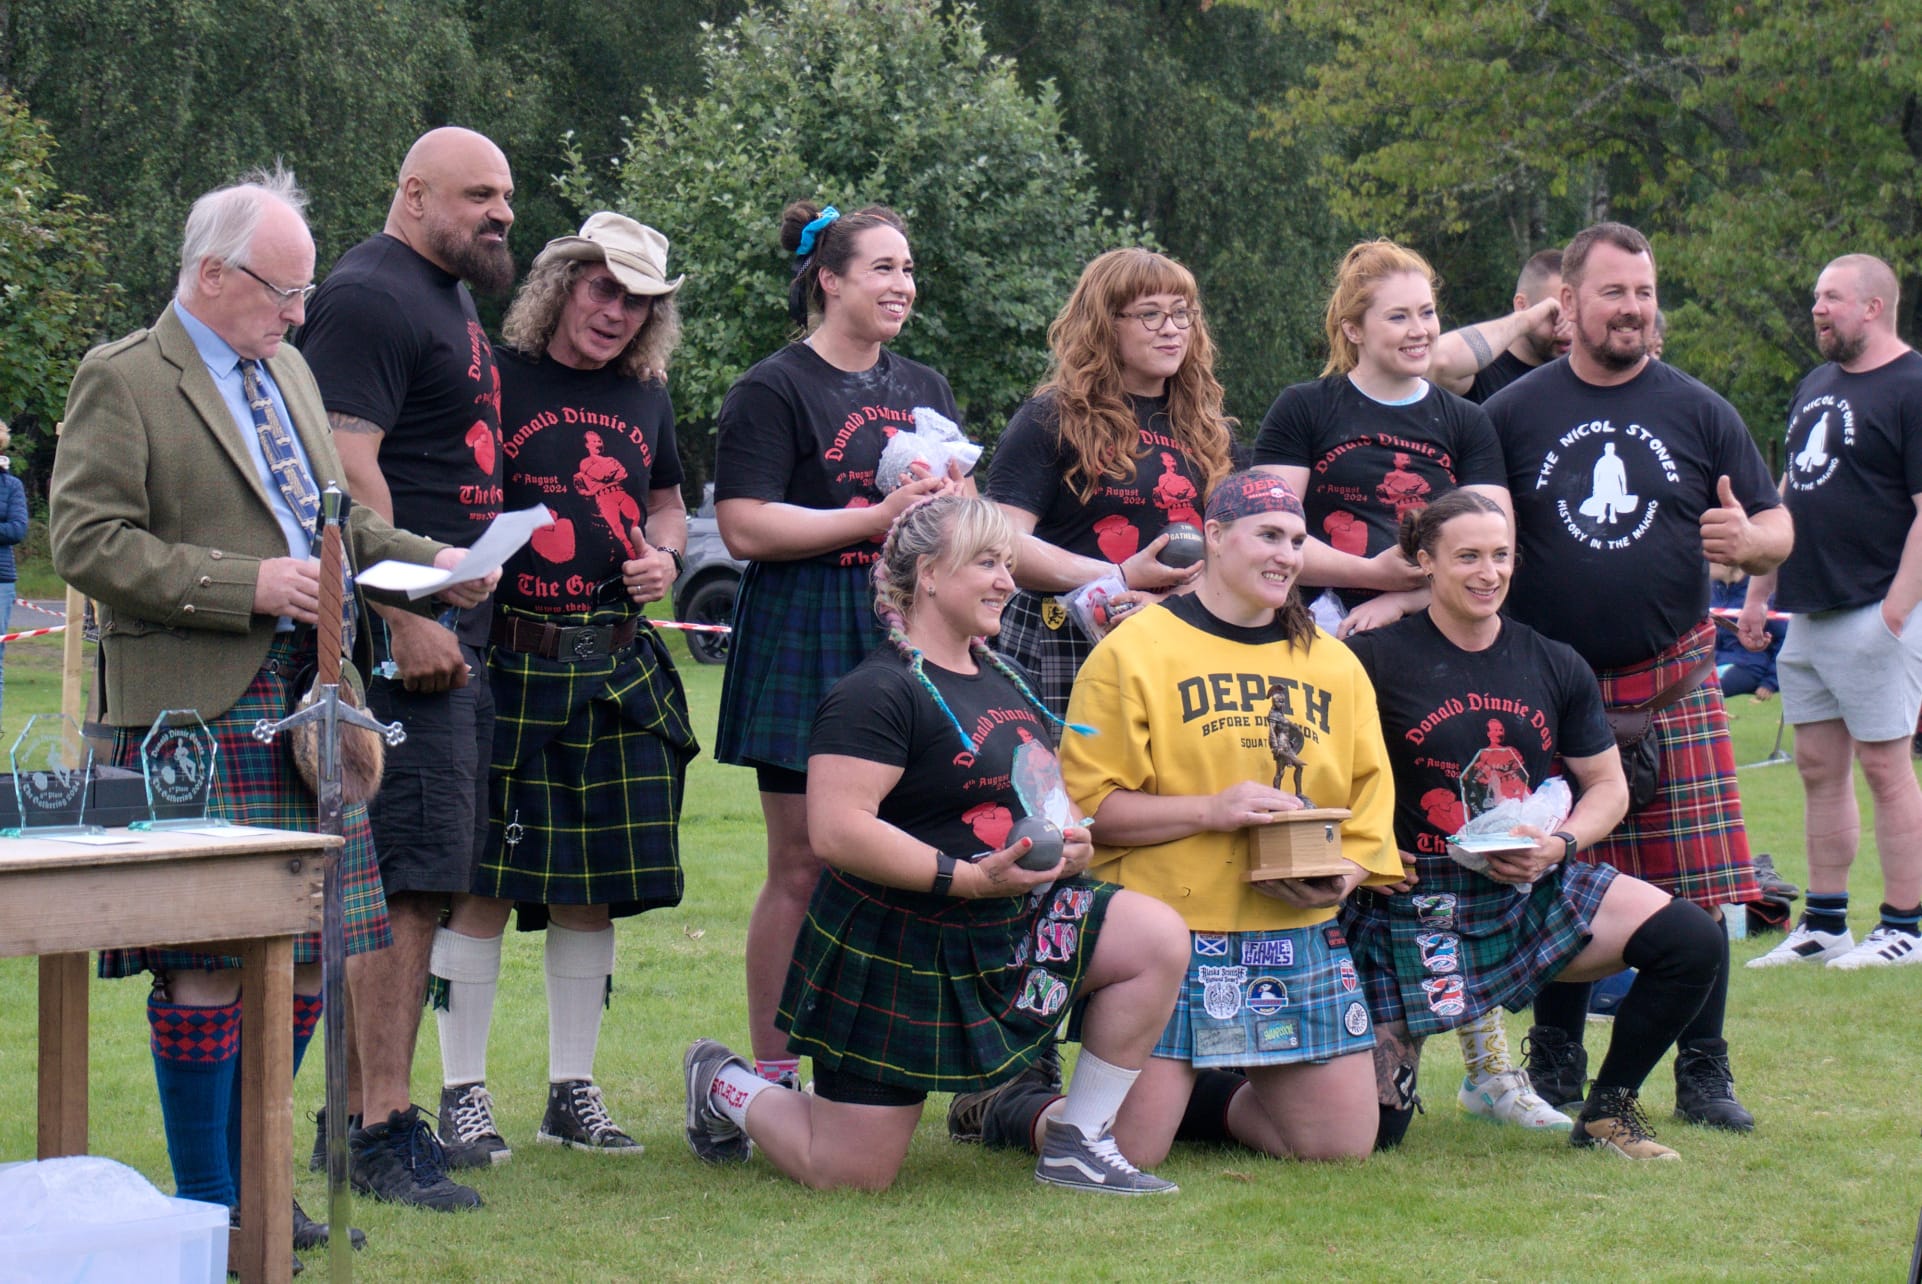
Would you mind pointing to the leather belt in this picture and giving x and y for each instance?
(564, 643)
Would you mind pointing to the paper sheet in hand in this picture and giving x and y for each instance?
(500, 541)
(1492, 842)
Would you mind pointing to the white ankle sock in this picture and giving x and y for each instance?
(735, 1088)
(578, 965)
(471, 966)
(1095, 1094)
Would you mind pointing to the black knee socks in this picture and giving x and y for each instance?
(1714, 1010)
(1678, 955)
(1563, 1005)
(1206, 1119)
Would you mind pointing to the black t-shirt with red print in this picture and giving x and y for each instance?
(1369, 462)
(1490, 724)
(796, 430)
(591, 445)
(1122, 516)
(961, 800)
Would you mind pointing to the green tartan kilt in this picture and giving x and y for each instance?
(590, 762)
(934, 993)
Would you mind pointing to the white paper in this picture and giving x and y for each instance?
(88, 840)
(503, 538)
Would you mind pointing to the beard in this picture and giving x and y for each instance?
(1841, 351)
(1605, 354)
(487, 268)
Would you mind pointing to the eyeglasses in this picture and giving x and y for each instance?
(605, 290)
(299, 294)
(1152, 319)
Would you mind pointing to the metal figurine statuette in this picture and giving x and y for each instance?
(1285, 741)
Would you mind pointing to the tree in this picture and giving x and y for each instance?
(54, 292)
(853, 102)
(1752, 142)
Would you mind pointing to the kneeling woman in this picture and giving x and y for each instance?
(916, 972)
(1475, 707)
(1180, 770)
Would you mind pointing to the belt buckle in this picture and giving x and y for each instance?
(585, 642)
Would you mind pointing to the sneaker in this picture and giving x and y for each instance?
(1070, 1158)
(1556, 1065)
(401, 1162)
(469, 1136)
(577, 1117)
(317, 1162)
(1807, 945)
(309, 1233)
(711, 1135)
(1771, 882)
(1883, 947)
(1507, 1097)
(1613, 1121)
(968, 1112)
(1705, 1087)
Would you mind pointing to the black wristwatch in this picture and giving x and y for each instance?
(1569, 845)
(680, 562)
(943, 874)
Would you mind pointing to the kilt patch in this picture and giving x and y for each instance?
(1262, 1011)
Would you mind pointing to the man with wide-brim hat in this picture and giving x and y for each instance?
(592, 737)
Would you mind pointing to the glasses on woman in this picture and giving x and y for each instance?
(1152, 319)
(605, 290)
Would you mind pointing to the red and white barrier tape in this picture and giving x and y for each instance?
(692, 628)
(1730, 613)
(32, 633)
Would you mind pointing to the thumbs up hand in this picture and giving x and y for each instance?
(649, 576)
(1728, 536)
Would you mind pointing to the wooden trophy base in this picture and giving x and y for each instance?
(1299, 844)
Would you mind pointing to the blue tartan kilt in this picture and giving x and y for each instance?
(799, 628)
(590, 763)
(934, 993)
(256, 784)
(1438, 959)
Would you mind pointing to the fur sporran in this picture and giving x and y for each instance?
(363, 754)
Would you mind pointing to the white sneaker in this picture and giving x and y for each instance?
(1883, 947)
(1507, 1098)
(1807, 945)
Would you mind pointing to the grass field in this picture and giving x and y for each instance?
(1827, 1187)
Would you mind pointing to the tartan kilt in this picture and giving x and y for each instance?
(590, 763)
(1507, 947)
(934, 993)
(1051, 657)
(1690, 841)
(799, 628)
(256, 784)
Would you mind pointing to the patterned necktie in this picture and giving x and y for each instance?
(291, 476)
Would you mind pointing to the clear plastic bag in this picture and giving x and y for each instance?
(1546, 808)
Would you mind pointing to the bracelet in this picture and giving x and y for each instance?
(943, 874)
(1569, 845)
(1121, 573)
(680, 562)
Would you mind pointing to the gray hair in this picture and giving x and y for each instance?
(221, 224)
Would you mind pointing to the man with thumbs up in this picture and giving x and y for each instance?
(591, 737)
(1628, 478)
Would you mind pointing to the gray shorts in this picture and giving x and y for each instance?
(1847, 665)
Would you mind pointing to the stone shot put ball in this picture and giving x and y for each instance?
(1184, 546)
(1046, 836)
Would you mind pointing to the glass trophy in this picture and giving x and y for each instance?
(52, 768)
(1494, 788)
(177, 761)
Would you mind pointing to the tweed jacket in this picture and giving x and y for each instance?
(158, 513)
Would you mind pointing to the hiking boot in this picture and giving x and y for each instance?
(711, 1135)
(317, 1162)
(1556, 1065)
(1613, 1121)
(309, 1233)
(1807, 945)
(1069, 1157)
(1882, 947)
(401, 1162)
(1705, 1087)
(968, 1112)
(1507, 1097)
(577, 1117)
(469, 1136)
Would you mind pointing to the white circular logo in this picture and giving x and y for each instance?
(1818, 433)
(1605, 479)
(1356, 1019)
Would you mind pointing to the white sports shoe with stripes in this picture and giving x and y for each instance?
(1807, 945)
(1883, 947)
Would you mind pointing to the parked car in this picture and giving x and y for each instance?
(705, 592)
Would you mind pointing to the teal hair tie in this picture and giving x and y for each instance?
(808, 233)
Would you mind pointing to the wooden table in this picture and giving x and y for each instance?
(246, 896)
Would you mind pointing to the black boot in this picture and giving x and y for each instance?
(1557, 1066)
(309, 1233)
(1705, 1087)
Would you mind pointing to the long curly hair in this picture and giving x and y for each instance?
(1362, 270)
(536, 313)
(1096, 422)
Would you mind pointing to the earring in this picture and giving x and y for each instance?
(928, 589)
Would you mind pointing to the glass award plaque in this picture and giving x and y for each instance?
(52, 767)
(178, 760)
